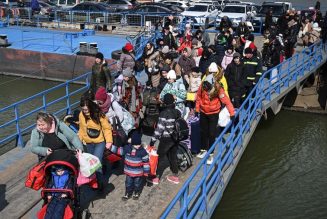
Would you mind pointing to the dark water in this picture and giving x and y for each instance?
(282, 173)
(13, 89)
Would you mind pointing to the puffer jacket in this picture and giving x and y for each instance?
(66, 134)
(186, 63)
(208, 105)
(105, 130)
(126, 61)
(228, 58)
(177, 89)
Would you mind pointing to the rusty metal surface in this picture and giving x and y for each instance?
(44, 65)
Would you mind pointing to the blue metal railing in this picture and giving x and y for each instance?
(19, 118)
(203, 190)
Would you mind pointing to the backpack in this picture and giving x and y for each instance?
(150, 96)
(36, 177)
(181, 130)
(118, 134)
(150, 120)
(184, 157)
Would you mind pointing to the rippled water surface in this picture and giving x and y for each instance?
(282, 173)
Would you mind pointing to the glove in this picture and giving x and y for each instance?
(232, 119)
(152, 143)
(196, 114)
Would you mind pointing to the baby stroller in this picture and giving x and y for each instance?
(61, 194)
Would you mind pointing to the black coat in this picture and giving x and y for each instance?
(236, 80)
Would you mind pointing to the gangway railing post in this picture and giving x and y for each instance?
(204, 188)
(44, 102)
(20, 142)
(68, 99)
(184, 203)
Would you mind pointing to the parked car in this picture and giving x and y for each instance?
(48, 8)
(155, 8)
(200, 14)
(92, 7)
(182, 4)
(278, 9)
(119, 5)
(237, 13)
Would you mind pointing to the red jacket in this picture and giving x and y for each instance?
(207, 106)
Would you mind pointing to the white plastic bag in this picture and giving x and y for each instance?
(88, 164)
(224, 117)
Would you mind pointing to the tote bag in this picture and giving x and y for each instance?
(88, 164)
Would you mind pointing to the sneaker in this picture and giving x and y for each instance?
(210, 159)
(126, 197)
(154, 181)
(201, 154)
(173, 179)
(136, 196)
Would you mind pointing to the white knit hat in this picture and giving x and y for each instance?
(171, 75)
(213, 67)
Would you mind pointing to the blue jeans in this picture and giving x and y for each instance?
(133, 184)
(97, 150)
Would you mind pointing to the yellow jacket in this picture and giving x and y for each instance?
(105, 134)
(223, 81)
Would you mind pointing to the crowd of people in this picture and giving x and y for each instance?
(184, 75)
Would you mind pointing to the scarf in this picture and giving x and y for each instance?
(133, 99)
(105, 106)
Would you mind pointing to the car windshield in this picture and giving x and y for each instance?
(277, 9)
(198, 8)
(233, 9)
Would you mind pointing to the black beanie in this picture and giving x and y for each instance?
(168, 99)
(99, 55)
(136, 138)
(248, 50)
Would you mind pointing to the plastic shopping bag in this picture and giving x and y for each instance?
(153, 160)
(224, 117)
(88, 164)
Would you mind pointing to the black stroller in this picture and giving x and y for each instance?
(66, 196)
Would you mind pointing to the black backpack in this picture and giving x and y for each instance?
(150, 120)
(150, 96)
(184, 157)
(181, 130)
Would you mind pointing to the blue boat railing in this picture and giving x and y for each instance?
(19, 118)
(204, 188)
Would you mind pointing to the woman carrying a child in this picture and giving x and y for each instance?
(94, 131)
(52, 134)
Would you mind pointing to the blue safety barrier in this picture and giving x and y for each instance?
(204, 188)
(20, 118)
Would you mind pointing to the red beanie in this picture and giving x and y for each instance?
(101, 94)
(129, 47)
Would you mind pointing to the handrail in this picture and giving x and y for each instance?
(14, 108)
(196, 199)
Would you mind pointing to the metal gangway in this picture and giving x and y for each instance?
(204, 187)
